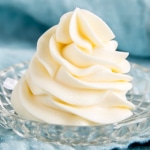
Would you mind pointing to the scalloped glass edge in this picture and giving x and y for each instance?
(137, 126)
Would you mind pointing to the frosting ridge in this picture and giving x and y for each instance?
(76, 74)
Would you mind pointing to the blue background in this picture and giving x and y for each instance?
(23, 21)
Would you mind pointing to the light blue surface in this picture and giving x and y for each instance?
(23, 21)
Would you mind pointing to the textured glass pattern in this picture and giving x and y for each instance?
(135, 127)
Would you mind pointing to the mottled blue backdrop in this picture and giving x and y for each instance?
(23, 21)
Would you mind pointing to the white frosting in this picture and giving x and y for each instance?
(76, 77)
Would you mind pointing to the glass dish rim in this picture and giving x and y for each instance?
(44, 123)
(116, 125)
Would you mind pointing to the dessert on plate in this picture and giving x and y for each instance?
(76, 76)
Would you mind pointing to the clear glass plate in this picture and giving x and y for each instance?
(135, 127)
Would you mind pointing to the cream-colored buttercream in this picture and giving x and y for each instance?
(76, 77)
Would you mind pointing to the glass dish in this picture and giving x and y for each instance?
(135, 127)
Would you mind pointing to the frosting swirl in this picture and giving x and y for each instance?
(76, 77)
